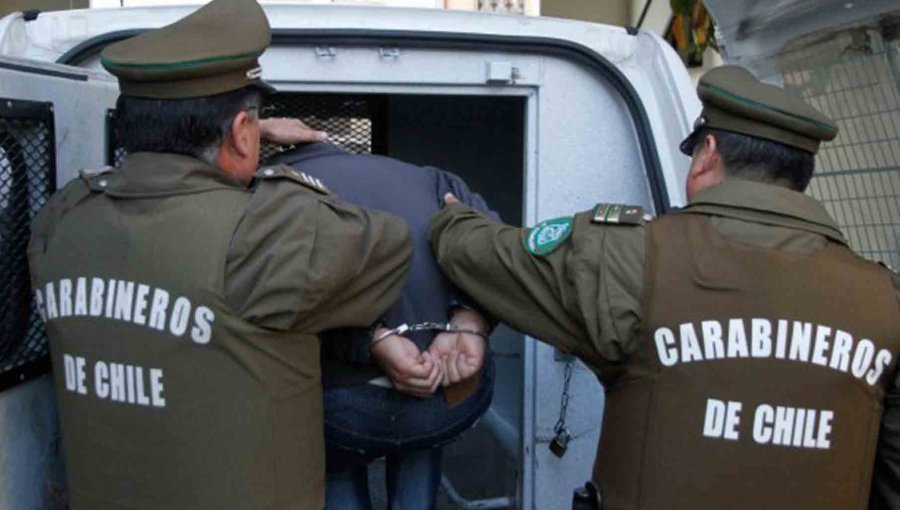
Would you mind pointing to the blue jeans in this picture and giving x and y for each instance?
(365, 422)
(412, 481)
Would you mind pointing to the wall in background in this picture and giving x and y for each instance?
(611, 12)
(8, 6)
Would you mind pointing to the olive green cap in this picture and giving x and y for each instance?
(211, 51)
(734, 100)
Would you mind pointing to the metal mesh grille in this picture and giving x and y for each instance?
(27, 178)
(357, 123)
(114, 150)
(854, 77)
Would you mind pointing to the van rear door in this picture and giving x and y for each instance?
(52, 119)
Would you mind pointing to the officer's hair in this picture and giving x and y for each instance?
(757, 159)
(194, 127)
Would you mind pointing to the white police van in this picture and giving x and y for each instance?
(544, 117)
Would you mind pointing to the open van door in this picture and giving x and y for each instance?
(51, 118)
(844, 59)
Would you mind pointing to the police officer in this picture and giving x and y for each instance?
(182, 305)
(748, 356)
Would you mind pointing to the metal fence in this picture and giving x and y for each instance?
(27, 178)
(357, 123)
(854, 77)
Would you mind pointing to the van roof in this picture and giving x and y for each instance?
(51, 35)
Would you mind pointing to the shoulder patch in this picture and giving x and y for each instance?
(547, 235)
(286, 172)
(619, 214)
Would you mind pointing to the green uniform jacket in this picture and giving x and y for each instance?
(182, 310)
(582, 293)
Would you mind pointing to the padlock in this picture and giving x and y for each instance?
(560, 443)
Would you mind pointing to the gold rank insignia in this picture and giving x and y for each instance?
(618, 214)
(286, 172)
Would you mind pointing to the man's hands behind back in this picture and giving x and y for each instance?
(462, 354)
(412, 372)
(451, 359)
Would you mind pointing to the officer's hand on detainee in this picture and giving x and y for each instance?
(286, 131)
(410, 371)
(461, 354)
(450, 199)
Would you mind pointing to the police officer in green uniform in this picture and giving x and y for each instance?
(749, 358)
(182, 294)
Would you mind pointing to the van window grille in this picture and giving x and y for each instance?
(854, 77)
(357, 123)
(114, 150)
(27, 179)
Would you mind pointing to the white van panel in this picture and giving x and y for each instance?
(80, 100)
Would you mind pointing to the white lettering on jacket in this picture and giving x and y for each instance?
(758, 338)
(121, 300)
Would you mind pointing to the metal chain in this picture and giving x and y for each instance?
(431, 326)
(564, 399)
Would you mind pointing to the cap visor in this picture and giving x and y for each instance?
(687, 145)
(265, 87)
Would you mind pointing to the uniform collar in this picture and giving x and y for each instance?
(161, 173)
(766, 203)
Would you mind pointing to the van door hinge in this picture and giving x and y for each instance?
(326, 52)
(389, 52)
(503, 73)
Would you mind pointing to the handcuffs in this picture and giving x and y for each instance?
(444, 327)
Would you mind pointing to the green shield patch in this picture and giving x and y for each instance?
(548, 235)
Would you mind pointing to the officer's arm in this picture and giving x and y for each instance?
(304, 261)
(886, 477)
(448, 182)
(488, 261)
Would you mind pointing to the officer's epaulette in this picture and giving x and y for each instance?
(96, 180)
(286, 172)
(619, 214)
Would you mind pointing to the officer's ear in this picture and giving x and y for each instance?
(244, 134)
(239, 151)
(706, 166)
